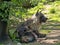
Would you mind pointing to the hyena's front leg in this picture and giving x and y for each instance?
(36, 37)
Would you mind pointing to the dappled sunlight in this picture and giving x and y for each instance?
(50, 41)
(17, 15)
(52, 38)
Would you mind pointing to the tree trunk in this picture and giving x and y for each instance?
(3, 25)
(3, 30)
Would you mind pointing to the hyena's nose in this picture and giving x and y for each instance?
(46, 18)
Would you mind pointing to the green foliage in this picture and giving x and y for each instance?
(34, 2)
(4, 8)
(26, 2)
(12, 35)
(18, 13)
(52, 10)
(57, 44)
(1, 44)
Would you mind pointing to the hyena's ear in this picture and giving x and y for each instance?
(37, 13)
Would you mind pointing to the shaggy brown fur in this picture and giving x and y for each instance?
(32, 25)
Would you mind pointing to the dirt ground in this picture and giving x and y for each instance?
(52, 38)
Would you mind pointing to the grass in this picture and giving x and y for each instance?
(45, 31)
(57, 44)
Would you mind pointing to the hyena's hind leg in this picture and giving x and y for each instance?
(28, 37)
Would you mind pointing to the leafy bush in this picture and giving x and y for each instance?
(4, 11)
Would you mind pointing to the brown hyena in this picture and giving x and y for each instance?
(28, 30)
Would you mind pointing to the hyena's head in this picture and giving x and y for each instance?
(40, 17)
